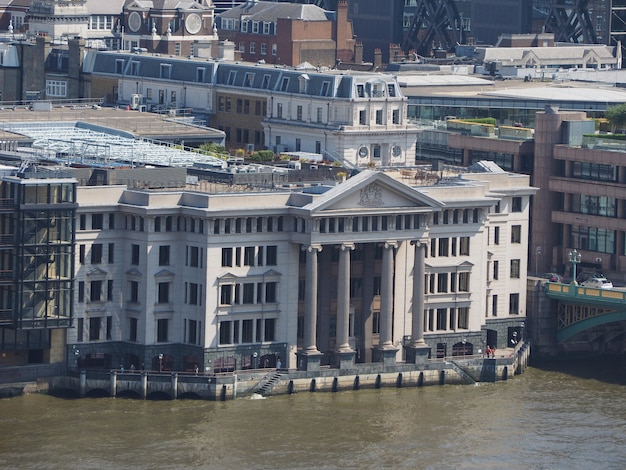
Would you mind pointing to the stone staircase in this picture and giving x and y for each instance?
(268, 382)
(466, 376)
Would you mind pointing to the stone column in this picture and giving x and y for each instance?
(344, 354)
(343, 298)
(309, 357)
(417, 351)
(386, 297)
(417, 331)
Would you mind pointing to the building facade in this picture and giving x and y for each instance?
(36, 267)
(369, 270)
(355, 118)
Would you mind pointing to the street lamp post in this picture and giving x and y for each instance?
(574, 257)
(464, 341)
(160, 362)
(521, 332)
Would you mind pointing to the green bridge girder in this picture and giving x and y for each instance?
(583, 308)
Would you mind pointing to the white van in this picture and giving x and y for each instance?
(598, 283)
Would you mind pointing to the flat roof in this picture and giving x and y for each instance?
(106, 136)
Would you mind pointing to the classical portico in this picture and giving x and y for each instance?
(367, 237)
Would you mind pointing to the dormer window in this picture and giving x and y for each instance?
(166, 71)
(303, 82)
(266, 27)
(360, 91)
(255, 27)
(391, 89)
(232, 75)
(244, 26)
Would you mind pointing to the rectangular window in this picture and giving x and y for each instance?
(299, 113)
(132, 329)
(192, 334)
(248, 293)
(110, 290)
(464, 246)
(379, 116)
(247, 329)
(95, 291)
(443, 247)
(464, 282)
(494, 306)
(162, 330)
(496, 269)
(270, 292)
(376, 323)
(463, 318)
(442, 282)
(134, 292)
(134, 259)
(515, 269)
(95, 325)
(270, 329)
(81, 291)
(109, 328)
(164, 255)
(496, 235)
(97, 221)
(96, 253)
(442, 318)
(516, 205)
(56, 88)
(226, 294)
(514, 304)
(225, 332)
(163, 294)
(516, 234)
(248, 256)
(111, 258)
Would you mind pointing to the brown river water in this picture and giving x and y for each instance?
(557, 416)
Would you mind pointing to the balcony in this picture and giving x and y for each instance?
(605, 142)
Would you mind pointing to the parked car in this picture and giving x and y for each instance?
(597, 282)
(553, 277)
(583, 276)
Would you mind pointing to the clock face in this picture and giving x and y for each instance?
(193, 23)
(396, 151)
(363, 152)
(134, 21)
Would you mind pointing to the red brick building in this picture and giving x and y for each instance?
(289, 33)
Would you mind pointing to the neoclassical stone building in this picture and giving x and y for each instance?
(370, 270)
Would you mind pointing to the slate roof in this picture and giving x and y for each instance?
(270, 12)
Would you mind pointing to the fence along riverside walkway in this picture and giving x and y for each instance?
(158, 385)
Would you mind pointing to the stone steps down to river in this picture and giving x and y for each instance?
(267, 383)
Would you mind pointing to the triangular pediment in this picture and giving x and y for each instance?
(227, 276)
(134, 272)
(164, 273)
(375, 191)
(96, 272)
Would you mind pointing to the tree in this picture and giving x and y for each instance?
(616, 116)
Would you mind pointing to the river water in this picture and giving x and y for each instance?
(567, 416)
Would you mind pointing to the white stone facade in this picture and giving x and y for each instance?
(228, 275)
